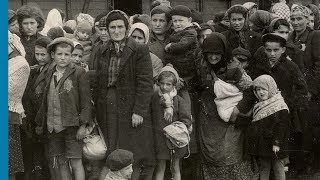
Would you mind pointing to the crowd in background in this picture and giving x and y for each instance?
(169, 95)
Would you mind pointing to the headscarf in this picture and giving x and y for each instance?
(281, 10)
(144, 28)
(54, 20)
(272, 105)
(250, 5)
(85, 17)
(15, 43)
(261, 19)
(300, 10)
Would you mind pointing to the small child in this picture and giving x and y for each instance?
(120, 164)
(82, 34)
(182, 44)
(267, 137)
(77, 56)
(65, 111)
(167, 107)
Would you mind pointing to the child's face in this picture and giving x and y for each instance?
(104, 36)
(237, 21)
(76, 56)
(274, 51)
(138, 36)
(166, 85)
(180, 22)
(283, 31)
(62, 56)
(127, 172)
(214, 58)
(83, 36)
(42, 55)
(261, 93)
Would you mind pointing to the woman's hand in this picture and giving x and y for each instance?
(82, 132)
(275, 149)
(136, 120)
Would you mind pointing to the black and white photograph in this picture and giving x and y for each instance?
(164, 89)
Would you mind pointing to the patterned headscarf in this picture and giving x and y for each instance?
(281, 10)
(300, 10)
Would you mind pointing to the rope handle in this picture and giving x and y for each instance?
(99, 130)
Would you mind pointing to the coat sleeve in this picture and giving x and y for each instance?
(185, 42)
(84, 97)
(184, 111)
(300, 89)
(314, 87)
(281, 128)
(144, 82)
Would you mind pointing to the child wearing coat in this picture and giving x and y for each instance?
(267, 136)
(167, 107)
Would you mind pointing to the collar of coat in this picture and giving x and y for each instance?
(302, 38)
(69, 70)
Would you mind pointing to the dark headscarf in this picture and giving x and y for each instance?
(261, 19)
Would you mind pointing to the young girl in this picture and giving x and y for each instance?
(268, 133)
(167, 107)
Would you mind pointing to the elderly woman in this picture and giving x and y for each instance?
(19, 71)
(239, 34)
(308, 41)
(123, 95)
(221, 143)
(31, 22)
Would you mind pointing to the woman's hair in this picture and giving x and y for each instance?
(27, 11)
(280, 22)
(166, 75)
(237, 9)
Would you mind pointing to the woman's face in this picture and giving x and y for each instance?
(283, 31)
(159, 23)
(299, 22)
(261, 93)
(103, 33)
(29, 26)
(138, 36)
(237, 21)
(117, 30)
(311, 22)
(214, 58)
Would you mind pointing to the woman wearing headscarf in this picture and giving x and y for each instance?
(308, 41)
(259, 21)
(239, 33)
(31, 22)
(19, 71)
(281, 10)
(54, 20)
(221, 143)
(123, 95)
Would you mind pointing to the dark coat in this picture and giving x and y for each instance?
(219, 27)
(134, 88)
(182, 53)
(269, 131)
(251, 41)
(156, 46)
(291, 83)
(292, 52)
(75, 100)
(181, 112)
(311, 40)
(29, 44)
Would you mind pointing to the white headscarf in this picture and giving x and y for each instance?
(15, 43)
(144, 28)
(54, 19)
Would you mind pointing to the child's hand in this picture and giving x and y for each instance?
(136, 120)
(167, 47)
(168, 113)
(275, 148)
(81, 133)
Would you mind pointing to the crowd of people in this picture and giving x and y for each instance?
(169, 95)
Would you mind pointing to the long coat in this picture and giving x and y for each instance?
(134, 88)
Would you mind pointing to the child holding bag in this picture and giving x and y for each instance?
(267, 137)
(168, 107)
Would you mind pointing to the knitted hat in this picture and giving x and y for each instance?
(266, 82)
(71, 23)
(160, 10)
(59, 40)
(241, 51)
(215, 43)
(169, 68)
(43, 41)
(85, 18)
(261, 19)
(281, 10)
(300, 11)
(117, 15)
(55, 32)
(84, 26)
(274, 37)
(103, 22)
(119, 159)
(12, 16)
(181, 10)
(144, 28)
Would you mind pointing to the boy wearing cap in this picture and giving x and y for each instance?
(119, 162)
(65, 111)
(182, 43)
(82, 34)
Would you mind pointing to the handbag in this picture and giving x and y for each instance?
(95, 147)
(177, 135)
